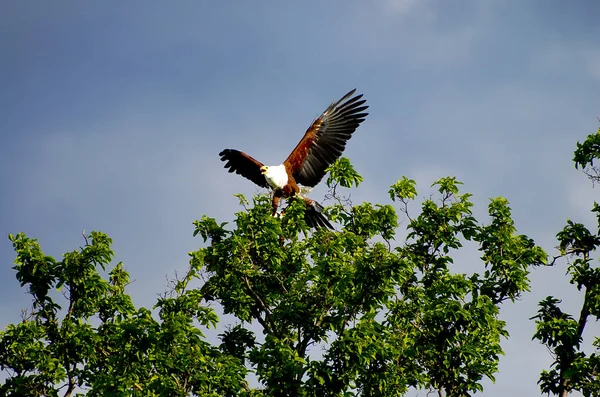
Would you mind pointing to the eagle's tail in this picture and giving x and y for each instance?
(314, 216)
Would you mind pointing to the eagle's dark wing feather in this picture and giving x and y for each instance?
(244, 165)
(314, 216)
(325, 139)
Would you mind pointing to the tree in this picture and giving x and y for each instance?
(96, 341)
(385, 318)
(573, 369)
(340, 313)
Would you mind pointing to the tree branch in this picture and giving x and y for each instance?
(583, 316)
(266, 323)
(71, 380)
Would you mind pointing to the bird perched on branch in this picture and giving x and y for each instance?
(322, 144)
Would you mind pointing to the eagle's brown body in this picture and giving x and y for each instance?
(322, 144)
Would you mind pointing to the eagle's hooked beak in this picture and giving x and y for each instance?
(263, 169)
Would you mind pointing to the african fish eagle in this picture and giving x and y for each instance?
(322, 144)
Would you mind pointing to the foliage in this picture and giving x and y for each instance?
(344, 313)
(338, 313)
(586, 153)
(96, 341)
(573, 369)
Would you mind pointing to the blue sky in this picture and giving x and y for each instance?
(112, 115)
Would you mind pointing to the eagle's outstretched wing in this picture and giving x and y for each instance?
(244, 165)
(325, 139)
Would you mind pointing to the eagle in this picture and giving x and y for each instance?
(322, 144)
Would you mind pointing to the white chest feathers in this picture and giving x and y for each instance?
(276, 176)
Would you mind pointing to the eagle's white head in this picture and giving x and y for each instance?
(276, 175)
